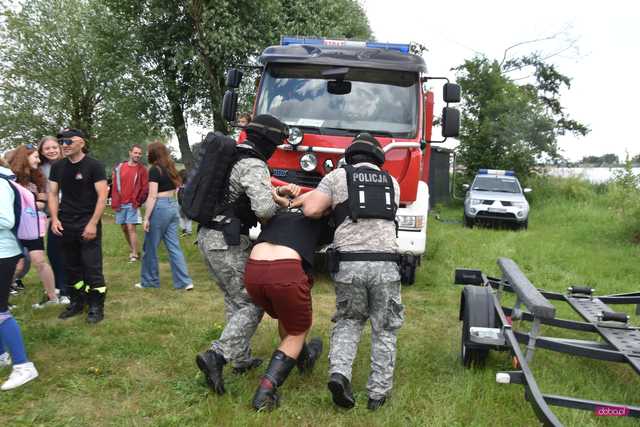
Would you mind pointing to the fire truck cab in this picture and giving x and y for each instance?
(328, 91)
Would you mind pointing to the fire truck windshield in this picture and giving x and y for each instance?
(379, 100)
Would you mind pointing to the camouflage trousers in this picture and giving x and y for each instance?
(367, 291)
(226, 265)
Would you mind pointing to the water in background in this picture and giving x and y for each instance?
(594, 175)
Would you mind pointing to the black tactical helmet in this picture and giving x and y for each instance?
(268, 127)
(265, 133)
(364, 145)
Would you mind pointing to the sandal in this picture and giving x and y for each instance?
(134, 258)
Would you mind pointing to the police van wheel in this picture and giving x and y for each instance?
(476, 310)
(467, 222)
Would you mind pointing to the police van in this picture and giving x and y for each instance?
(496, 196)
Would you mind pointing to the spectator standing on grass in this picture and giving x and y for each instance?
(82, 182)
(24, 263)
(50, 152)
(185, 223)
(25, 165)
(12, 351)
(161, 222)
(129, 189)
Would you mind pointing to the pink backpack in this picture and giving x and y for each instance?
(29, 223)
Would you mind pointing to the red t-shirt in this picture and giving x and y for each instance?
(127, 176)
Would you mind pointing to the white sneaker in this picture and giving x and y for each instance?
(46, 302)
(21, 374)
(189, 287)
(5, 360)
(64, 300)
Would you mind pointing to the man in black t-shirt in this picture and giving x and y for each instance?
(83, 184)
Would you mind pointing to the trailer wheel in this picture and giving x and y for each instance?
(467, 222)
(476, 309)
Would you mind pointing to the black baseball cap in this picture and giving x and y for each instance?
(71, 132)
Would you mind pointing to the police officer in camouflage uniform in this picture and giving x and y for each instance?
(364, 264)
(226, 246)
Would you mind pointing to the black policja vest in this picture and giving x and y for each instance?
(371, 195)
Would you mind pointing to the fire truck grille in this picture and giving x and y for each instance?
(306, 179)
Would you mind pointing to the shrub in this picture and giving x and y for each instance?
(624, 198)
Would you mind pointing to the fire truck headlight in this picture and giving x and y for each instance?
(295, 136)
(308, 162)
(342, 162)
(410, 222)
(328, 165)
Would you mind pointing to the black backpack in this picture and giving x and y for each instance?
(204, 194)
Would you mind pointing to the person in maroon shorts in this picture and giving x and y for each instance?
(277, 279)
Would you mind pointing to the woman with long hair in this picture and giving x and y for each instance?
(24, 164)
(161, 221)
(12, 351)
(50, 152)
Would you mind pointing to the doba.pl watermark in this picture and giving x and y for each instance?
(611, 411)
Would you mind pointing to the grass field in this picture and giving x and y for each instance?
(137, 367)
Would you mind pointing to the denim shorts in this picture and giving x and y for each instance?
(128, 215)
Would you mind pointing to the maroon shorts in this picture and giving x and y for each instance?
(283, 290)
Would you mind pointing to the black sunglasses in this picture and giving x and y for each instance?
(65, 141)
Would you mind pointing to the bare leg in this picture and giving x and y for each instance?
(291, 345)
(132, 238)
(125, 231)
(44, 271)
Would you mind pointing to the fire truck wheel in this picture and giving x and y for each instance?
(476, 309)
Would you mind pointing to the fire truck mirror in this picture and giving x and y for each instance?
(338, 87)
(229, 105)
(450, 122)
(234, 77)
(451, 92)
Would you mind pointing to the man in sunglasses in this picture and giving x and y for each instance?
(82, 181)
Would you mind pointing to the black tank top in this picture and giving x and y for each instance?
(295, 231)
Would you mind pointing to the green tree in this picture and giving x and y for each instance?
(59, 67)
(506, 125)
(187, 45)
(604, 160)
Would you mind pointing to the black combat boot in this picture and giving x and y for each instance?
(96, 306)
(266, 396)
(76, 306)
(310, 353)
(211, 364)
(374, 404)
(254, 363)
(340, 389)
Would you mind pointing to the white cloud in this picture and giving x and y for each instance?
(605, 87)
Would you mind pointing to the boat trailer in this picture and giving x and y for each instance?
(487, 325)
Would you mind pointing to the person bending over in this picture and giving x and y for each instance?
(278, 279)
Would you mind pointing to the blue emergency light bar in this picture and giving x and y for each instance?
(496, 172)
(286, 41)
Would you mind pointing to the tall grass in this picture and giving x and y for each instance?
(137, 367)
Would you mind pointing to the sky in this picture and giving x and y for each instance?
(603, 63)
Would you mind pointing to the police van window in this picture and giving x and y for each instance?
(379, 100)
(501, 185)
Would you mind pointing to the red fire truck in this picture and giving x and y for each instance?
(327, 91)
